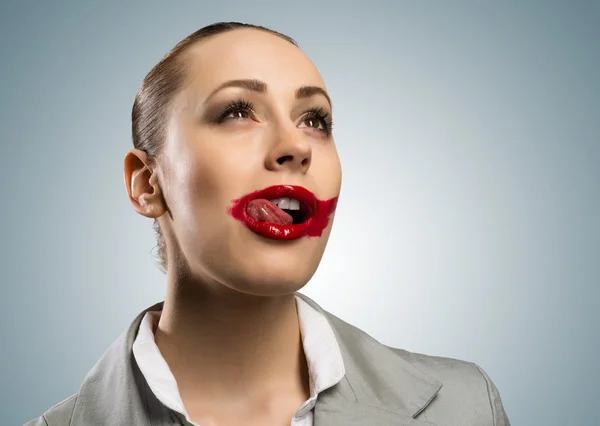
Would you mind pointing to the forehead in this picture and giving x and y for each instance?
(250, 54)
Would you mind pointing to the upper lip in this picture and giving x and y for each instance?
(306, 197)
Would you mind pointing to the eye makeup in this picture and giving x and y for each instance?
(243, 109)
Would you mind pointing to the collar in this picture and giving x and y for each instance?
(380, 386)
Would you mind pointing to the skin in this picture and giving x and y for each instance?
(229, 330)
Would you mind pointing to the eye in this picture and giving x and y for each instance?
(313, 123)
(319, 120)
(236, 115)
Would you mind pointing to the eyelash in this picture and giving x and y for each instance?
(235, 106)
(313, 113)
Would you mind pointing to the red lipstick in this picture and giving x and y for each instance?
(316, 213)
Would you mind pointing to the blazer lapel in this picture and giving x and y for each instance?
(380, 387)
(335, 407)
(356, 414)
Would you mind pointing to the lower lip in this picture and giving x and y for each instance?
(311, 227)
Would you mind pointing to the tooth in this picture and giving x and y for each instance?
(284, 203)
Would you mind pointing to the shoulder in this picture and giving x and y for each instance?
(58, 415)
(460, 392)
(465, 385)
(447, 370)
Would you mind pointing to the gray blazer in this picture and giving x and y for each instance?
(382, 387)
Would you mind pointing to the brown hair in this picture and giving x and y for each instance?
(149, 114)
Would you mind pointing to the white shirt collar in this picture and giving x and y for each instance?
(323, 356)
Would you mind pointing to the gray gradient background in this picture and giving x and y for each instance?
(475, 126)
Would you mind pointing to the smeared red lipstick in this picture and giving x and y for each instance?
(317, 213)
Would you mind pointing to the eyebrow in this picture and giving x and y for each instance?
(261, 87)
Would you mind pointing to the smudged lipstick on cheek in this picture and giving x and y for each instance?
(261, 216)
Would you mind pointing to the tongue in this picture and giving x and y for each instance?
(265, 211)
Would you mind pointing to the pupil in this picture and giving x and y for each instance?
(312, 123)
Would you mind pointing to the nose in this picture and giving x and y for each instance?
(290, 151)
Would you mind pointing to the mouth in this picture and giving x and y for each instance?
(282, 205)
(283, 212)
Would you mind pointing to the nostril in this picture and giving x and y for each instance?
(305, 162)
(285, 158)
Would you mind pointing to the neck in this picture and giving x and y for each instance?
(224, 344)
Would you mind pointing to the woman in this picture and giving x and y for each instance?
(235, 160)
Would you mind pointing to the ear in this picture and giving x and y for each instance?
(142, 185)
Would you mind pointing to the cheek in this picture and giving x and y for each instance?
(327, 170)
(205, 179)
(194, 186)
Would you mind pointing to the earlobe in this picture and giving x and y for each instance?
(142, 186)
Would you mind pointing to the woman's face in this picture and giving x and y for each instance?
(227, 140)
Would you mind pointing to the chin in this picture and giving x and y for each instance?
(269, 288)
(275, 270)
(276, 279)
